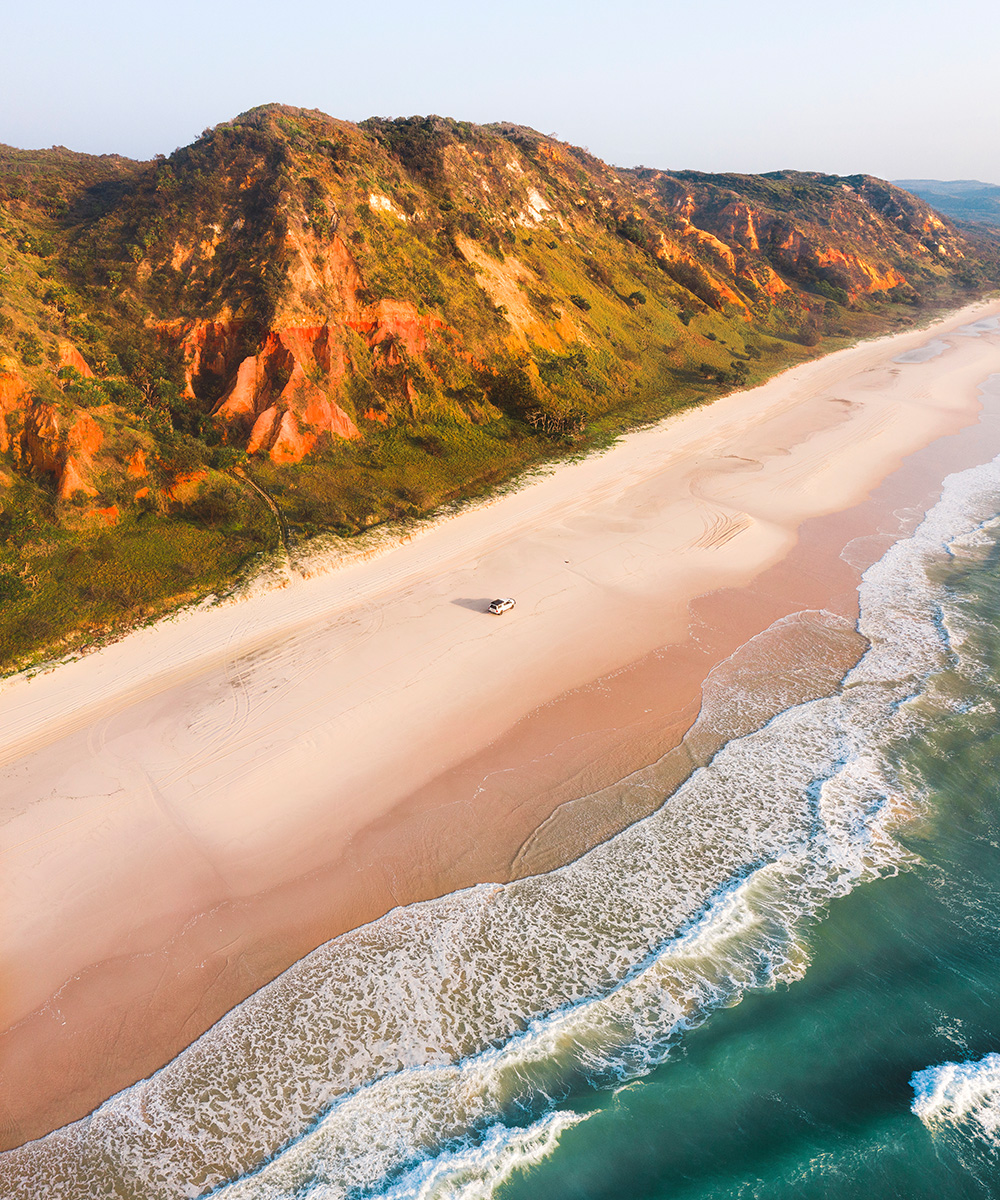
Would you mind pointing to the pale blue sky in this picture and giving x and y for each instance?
(898, 88)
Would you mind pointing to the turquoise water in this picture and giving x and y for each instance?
(757, 991)
(806, 1091)
(810, 1089)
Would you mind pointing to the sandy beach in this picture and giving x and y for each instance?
(188, 811)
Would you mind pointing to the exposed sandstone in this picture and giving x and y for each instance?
(42, 449)
(70, 356)
(288, 390)
(71, 480)
(85, 436)
(206, 349)
(45, 447)
(705, 283)
(13, 396)
(185, 486)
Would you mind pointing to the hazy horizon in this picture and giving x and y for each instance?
(884, 89)
(551, 133)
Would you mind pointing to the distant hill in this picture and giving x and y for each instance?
(960, 199)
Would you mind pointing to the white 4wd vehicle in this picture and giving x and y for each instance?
(501, 606)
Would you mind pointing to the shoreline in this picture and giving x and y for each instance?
(155, 763)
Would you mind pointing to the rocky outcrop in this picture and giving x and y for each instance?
(13, 394)
(324, 280)
(694, 275)
(137, 466)
(42, 449)
(849, 233)
(207, 350)
(70, 356)
(394, 325)
(183, 489)
(282, 398)
(64, 452)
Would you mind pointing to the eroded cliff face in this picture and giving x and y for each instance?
(296, 388)
(13, 393)
(57, 443)
(278, 400)
(850, 233)
(61, 448)
(408, 259)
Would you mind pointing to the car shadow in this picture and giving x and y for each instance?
(476, 605)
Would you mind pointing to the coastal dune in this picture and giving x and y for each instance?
(188, 811)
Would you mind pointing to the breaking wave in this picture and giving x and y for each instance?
(962, 1095)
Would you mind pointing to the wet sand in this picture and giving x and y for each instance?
(188, 812)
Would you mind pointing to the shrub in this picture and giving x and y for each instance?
(225, 457)
(581, 302)
(84, 331)
(41, 244)
(632, 231)
(830, 291)
(214, 507)
(30, 349)
(11, 586)
(88, 393)
(511, 391)
(183, 453)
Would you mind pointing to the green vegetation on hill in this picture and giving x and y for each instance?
(367, 321)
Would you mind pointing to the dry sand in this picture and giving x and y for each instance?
(187, 812)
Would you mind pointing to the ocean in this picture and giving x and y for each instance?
(784, 981)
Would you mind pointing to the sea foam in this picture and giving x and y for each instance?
(960, 1094)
